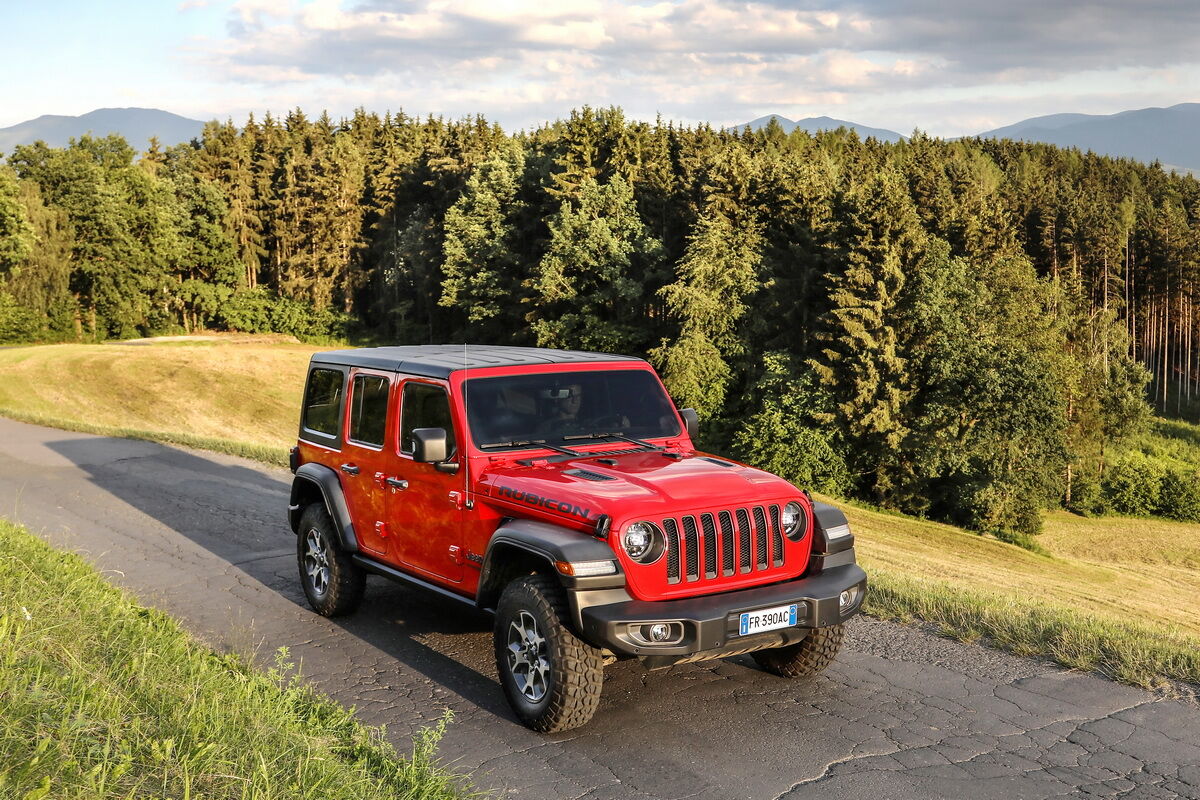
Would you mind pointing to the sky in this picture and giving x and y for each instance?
(948, 67)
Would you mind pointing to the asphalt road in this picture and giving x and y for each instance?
(900, 714)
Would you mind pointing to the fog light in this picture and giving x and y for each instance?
(847, 598)
(656, 634)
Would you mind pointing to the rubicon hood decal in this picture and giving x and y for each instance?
(532, 499)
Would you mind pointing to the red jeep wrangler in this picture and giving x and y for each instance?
(561, 491)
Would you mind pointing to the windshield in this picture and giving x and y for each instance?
(556, 407)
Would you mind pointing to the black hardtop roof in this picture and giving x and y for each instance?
(439, 360)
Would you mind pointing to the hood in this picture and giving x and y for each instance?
(639, 484)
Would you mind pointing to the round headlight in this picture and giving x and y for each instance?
(644, 542)
(795, 524)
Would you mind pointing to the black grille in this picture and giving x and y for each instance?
(690, 546)
(760, 536)
(708, 534)
(776, 538)
(741, 540)
(727, 565)
(671, 529)
(744, 539)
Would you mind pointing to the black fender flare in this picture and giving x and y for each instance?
(826, 517)
(529, 542)
(327, 482)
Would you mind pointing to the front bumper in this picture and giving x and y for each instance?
(710, 623)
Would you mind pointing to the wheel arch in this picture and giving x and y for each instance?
(523, 547)
(317, 483)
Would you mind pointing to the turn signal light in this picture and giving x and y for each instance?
(586, 569)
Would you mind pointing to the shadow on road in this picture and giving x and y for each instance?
(240, 515)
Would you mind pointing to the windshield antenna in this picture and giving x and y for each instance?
(468, 501)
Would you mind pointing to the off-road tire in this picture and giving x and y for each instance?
(576, 669)
(344, 581)
(806, 657)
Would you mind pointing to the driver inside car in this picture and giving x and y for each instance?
(564, 418)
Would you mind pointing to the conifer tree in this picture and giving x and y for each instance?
(482, 267)
(860, 358)
(586, 289)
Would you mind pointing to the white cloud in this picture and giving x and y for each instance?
(521, 61)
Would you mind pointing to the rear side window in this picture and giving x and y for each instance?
(368, 409)
(425, 406)
(323, 402)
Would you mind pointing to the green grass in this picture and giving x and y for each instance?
(102, 698)
(1113, 594)
(1172, 441)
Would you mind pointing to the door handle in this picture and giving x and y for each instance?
(349, 469)
(396, 483)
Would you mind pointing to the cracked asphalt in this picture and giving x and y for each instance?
(900, 714)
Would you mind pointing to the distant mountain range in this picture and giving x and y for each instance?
(814, 124)
(1168, 135)
(137, 125)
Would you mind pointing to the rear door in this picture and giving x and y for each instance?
(365, 460)
(426, 515)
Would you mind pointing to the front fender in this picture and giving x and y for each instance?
(521, 546)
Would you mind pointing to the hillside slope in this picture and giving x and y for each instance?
(1116, 594)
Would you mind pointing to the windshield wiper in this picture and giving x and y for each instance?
(522, 443)
(619, 436)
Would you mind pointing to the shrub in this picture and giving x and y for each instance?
(260, 311)
(1087, 494)
(17, 323)
(1180, 495)
(1134, 485)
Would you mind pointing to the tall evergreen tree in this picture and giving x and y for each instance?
(586, 289)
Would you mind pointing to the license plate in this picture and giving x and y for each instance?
(767, 619)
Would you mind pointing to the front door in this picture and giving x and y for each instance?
(426, 515)
(365, 461)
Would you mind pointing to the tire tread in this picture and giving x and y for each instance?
(805, 658)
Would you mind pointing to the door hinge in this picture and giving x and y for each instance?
(456, 554)
(381, 530)
(458, 499)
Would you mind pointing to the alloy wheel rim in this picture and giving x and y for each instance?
(316, 562)
(528, 660)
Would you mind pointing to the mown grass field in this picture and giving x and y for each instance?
(103, 699)
(1118, 595)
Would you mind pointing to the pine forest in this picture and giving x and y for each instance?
(968, 330)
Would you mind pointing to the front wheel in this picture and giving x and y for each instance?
(552, 678)
(805, 658)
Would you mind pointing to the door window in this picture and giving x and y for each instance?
(368, 410)
(425, 406)
(322, 402)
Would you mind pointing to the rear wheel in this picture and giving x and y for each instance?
(552, 678)
(332, 583)
(806, 657)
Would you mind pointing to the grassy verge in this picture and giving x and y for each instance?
(1117, 595)
(1130, 651)
(101, 698)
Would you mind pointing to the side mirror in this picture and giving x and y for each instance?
(692, 420)
(429, 445)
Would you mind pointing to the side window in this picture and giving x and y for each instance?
(368, 409)
(425, 406)
(323, 402)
